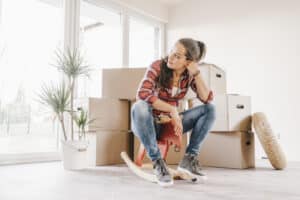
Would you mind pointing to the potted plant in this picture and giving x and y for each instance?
(57, 99)
(81, 120)
(60, 100)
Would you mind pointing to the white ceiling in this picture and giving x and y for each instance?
(170, 2)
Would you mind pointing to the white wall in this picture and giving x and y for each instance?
(258, 45)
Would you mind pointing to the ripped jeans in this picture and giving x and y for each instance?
(198, 119)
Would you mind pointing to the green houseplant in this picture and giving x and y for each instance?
(57, 99)
(60, 99)
(71, 63)
(81, 120)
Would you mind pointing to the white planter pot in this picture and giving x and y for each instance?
(74, 154)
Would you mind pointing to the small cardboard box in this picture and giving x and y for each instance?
(230, 150)
(233, 112)
(105, 147)
(122, 83)
(173, 157)
(214, 78)
(108, 113)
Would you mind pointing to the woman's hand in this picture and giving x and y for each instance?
(192, 67)
(176, 121)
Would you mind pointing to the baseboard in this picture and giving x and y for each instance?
(10, 159)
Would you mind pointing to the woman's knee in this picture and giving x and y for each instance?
(211, 111)
(141, 109)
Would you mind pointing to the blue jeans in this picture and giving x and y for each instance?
(200, 119)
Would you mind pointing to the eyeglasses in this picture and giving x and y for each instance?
(176, 55)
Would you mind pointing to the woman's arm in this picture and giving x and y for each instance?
(146, 90)
(198, 85)
(163, 106)
(202, 90)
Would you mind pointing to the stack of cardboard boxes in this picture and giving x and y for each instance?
(108, 133)
(230, 143)
(123, 84)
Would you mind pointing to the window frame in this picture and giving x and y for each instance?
(126, 12)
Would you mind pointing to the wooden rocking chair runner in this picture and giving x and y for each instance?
(166, 139)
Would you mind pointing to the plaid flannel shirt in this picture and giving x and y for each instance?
(149, 92)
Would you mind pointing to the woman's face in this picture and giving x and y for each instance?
(177, 59)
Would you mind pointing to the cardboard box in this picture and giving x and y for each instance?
(230, 150)
(214, 78)
(109, 114)
(173, 157)
(105, 147)
(233, 112)
(122, 83)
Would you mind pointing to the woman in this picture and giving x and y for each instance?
(165, 82)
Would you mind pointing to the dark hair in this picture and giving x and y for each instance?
(195, 51)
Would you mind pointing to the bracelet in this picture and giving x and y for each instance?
(198, 72)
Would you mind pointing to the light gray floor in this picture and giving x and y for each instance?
(49, 181)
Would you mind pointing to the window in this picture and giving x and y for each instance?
(113, 36)
(101, 42)
(31, 31)
(143, 43)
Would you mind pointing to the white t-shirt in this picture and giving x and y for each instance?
(174, 91)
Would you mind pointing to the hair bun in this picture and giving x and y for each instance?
(202, 50)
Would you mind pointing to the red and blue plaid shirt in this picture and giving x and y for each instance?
(149, 92)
